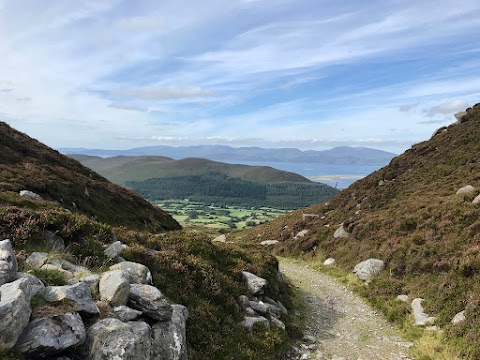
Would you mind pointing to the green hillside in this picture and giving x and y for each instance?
(409, 215)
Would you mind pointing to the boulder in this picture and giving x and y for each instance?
(52, 335)
(138, 273)
(249, 322)
(32, 286)
(277, 323)
(367, 269)
(243, 301)
(269, 242)
(465, 190)
(329, 261)
(114, 287)
(78, 294)
(114, 250)
(77, 270)
(476, 201)
(92, 281)
(259, 307)
(220, 239)
(169, 339)
(458, 318)
(308, 217)
(283, 309)
(15, 312)
(301, 234)
(402, 298)
(150, 301)
(421, 319)
(54, 240)
(256, 285)
(67, 275)
(8, 262)
(30, 194)
(112, 339)
(37, 259)
(124, 313)
(341, 233)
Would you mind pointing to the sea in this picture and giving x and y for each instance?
(339, 176)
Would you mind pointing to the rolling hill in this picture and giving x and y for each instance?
(339, 155)
(27, 164)
(410, 215)
(206, 181)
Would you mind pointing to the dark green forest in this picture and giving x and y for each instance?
(220, 189)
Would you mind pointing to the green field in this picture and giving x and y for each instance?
(190, 213)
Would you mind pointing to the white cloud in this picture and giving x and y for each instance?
(446, 108)
(127, 107)
(163, 93)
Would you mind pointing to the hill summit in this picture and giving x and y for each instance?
(420, 215)
(26, 164)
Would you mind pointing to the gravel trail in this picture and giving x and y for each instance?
(344, 326)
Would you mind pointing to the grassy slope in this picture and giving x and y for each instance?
(136, 168)
(27, 164)
(428, 235)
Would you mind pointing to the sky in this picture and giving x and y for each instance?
(310, 74)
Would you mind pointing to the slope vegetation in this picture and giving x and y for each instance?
(27, 164)
(409, 215)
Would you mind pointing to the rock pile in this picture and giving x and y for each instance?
(140, 323)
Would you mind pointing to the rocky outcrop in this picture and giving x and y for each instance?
(114, 287)
(367, 269)
(8, 262)
(30, 195)
(421, 319)
(52, 335)
(169, 339)
(138, 273)
(256, 285)
(79, 295)
(150, 301)
(112, 339)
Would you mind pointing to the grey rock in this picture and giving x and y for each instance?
(329, 261)
(114, 250)
(367, 269)
(259, 307)
(465, 190)
(15, 312)
(124, 313)
(220, 239)
(256, 285)
(249, 311)
(308, 217)
(79, 295)
(282, 308)
(67, 275)
(341, 233)
(269, 242)
(54, 240)
(476, 201)
(309, 339)
(76, 270)
(149, 300)
(243, 301)
(402, 298)
(458, 318)
(139, 274)
(111, 339)
(30, 194)
(52, 335)
(114, 287)
(270, 301)
(8, 262)
(421, 319)
(92, 281)
(277, 323)
(249, 322)
(32, 286)
(301, 234)
(274, 310)
(37, 259)
(169, 339)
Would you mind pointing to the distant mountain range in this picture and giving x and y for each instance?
(339, 155)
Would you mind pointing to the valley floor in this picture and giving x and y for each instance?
(343, 324)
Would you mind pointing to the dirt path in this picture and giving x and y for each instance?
(344, 326)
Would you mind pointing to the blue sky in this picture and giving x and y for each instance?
(311, 74)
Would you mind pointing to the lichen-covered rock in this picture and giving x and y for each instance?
(124, 313)
(8, 262)
(79, 295)
(138, 273)
(52, 335)
(465, 190)
(114, 340)
(249, 322)
(421, 319)
(114, 287)
(367, 269)
(32, 286)
(256, 285)
(30, 194)
(114, 250)
(341, 233)
(150, 301)
(169, 339)
(37, 259)
(15, 312)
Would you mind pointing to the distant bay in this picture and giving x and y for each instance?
(340, 176)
